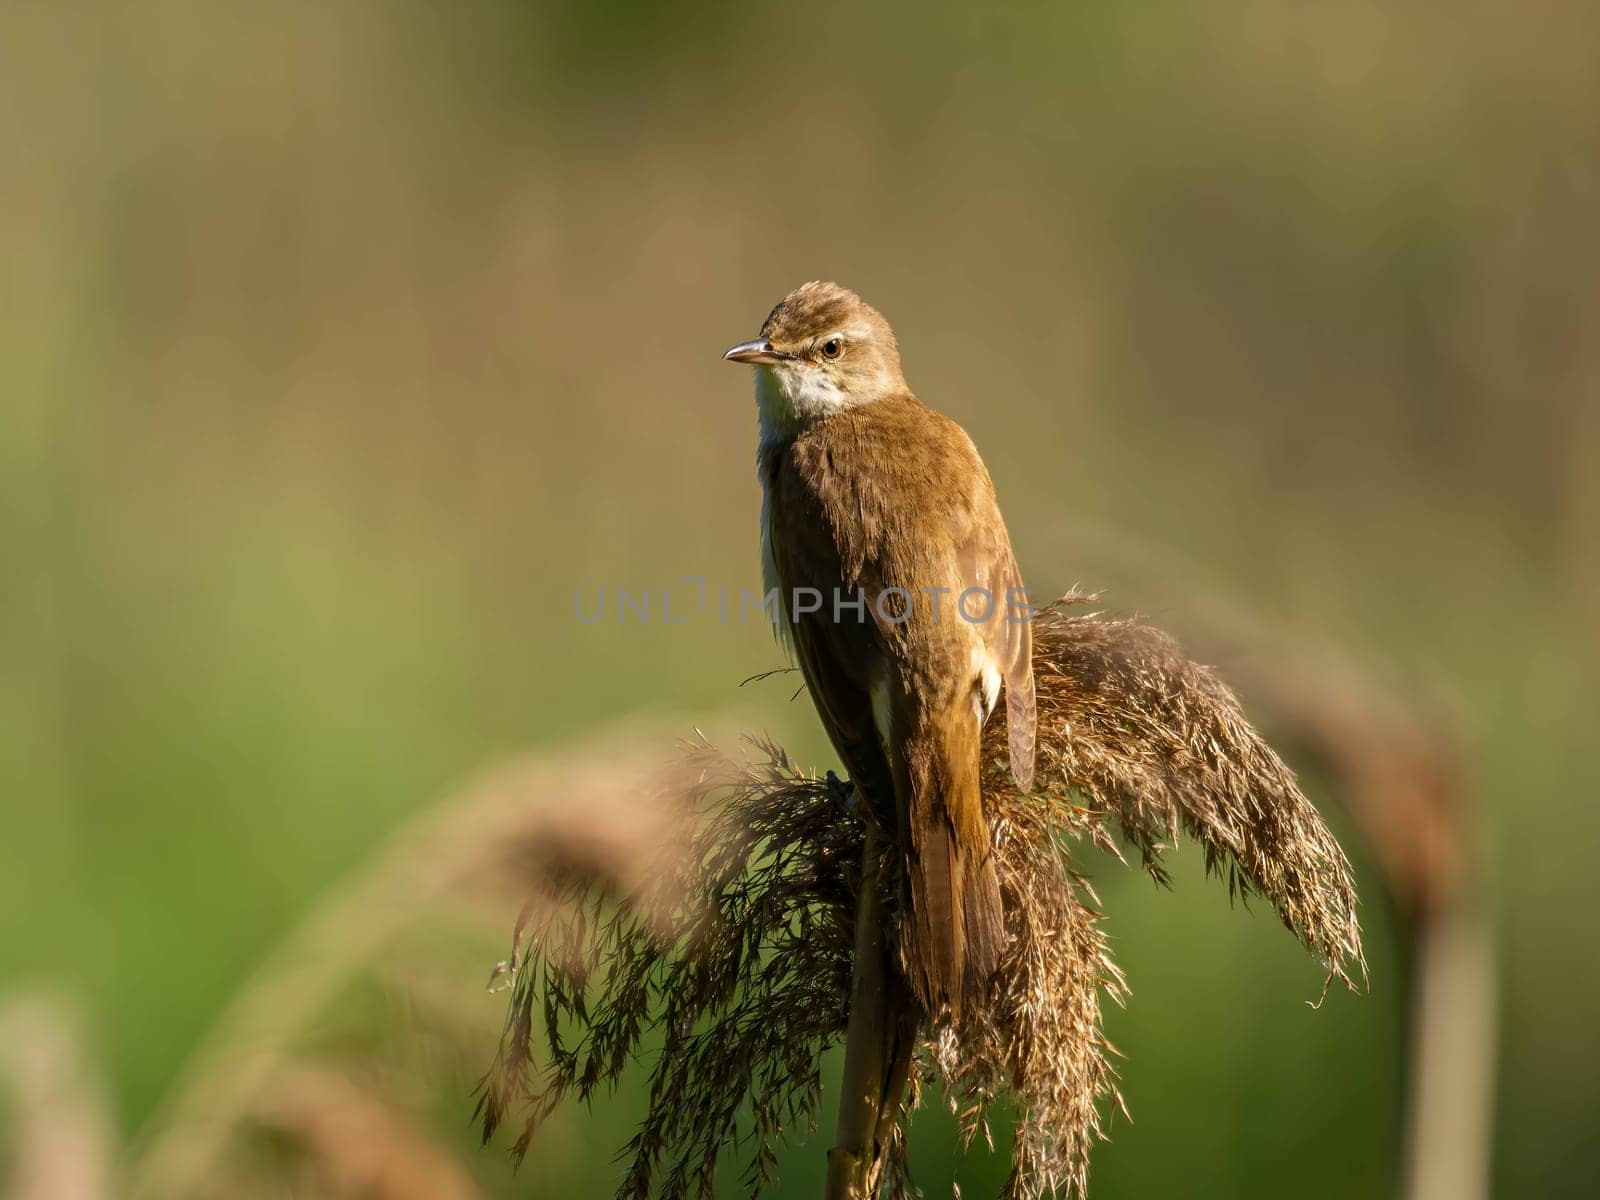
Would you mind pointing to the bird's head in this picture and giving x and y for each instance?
(823, 348)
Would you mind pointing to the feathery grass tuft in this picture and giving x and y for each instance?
(742, 977)
(1135, 734)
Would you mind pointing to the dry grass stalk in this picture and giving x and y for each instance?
(360, 1142)
(746, 979)
(881, 1036)
(62, 1139)
(286, 1058)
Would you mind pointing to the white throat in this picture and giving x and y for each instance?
(789, 396)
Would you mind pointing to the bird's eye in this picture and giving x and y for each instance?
(832, 348)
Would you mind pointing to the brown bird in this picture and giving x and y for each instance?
(917, 618)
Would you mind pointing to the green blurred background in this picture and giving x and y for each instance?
(342, 341)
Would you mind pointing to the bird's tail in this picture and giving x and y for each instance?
(956, 928)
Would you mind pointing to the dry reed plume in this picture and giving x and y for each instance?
(743, 957)
(61, 1138)
(744, 978)
(1401, 773)
(321, 1076)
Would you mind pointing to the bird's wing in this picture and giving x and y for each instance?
(987, 562)
(984, 559)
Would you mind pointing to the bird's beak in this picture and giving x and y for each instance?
(758, 351)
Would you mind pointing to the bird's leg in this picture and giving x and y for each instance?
(844, 791)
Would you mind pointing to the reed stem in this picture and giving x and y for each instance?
(880, 1041)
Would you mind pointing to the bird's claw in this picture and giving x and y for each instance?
(844, 792)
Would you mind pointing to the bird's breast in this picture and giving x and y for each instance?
(768, 459)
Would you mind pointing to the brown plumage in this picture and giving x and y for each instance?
(871, 497)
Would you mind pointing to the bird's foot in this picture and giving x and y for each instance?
(844, 792)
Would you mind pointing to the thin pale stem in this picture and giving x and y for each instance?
(879, 1042)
